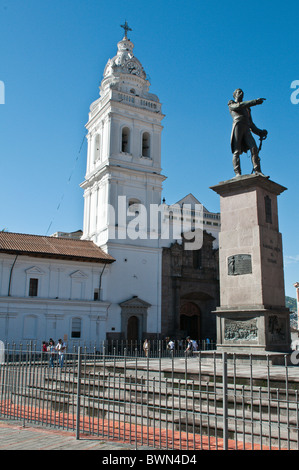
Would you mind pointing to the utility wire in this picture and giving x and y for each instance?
(68, 182)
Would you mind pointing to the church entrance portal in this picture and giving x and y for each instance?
(134, 318)
(190, 320)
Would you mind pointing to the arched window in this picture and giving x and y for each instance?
(134, 206)
(125, 140)
(146, 145)
(76, 328)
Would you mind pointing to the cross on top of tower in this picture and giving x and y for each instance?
(126, 28)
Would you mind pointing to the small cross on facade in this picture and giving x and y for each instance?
(126, 28)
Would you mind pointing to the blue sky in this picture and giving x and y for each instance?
(52, 57)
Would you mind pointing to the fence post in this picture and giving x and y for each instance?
(2, 352)
(78, 395)
(225, 408)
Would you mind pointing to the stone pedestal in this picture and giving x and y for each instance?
(252, 316)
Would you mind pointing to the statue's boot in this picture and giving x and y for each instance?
(236, 164)
(256, 163)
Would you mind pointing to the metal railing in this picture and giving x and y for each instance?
(119, 347)
(208, 401)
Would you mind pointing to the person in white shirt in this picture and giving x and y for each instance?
(146, 347)
(61, 348)
(170, 347)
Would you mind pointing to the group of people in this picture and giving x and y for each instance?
(170, 346)
(52, 349)
(191, 346)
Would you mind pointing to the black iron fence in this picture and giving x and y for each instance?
(156, 347)
(209, 400)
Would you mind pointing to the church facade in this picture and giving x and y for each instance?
(50, 287)
(136, 282)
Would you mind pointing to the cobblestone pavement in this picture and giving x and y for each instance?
(13, 436)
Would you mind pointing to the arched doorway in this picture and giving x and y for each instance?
(134, 318)
(190, 320)
(132, 328)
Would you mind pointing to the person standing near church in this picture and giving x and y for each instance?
(170, 347)
(51, 351)
(61, 348)
(146, 347)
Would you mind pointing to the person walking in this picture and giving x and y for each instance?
(189, 347)
(170, 347)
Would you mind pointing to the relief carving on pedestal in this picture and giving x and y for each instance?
(239, 330)
(276, 329)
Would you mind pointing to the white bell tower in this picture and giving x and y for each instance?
(123, 180)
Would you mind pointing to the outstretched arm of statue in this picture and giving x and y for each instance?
(245, 104)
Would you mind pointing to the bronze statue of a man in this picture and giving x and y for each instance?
(241, 137)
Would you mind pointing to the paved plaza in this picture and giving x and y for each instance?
(13, 436)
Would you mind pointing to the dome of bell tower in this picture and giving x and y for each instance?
(124, 62)
(124, 71)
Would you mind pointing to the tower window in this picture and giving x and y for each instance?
(97, 148)
(33, 285)
(134, 206)
(146, 144)
(125, 140)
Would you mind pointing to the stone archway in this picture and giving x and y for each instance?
(190, 319)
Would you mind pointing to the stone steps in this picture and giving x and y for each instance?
(173, 403)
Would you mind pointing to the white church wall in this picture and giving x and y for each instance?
(56, 279)
(25, 320)
(136, 272)
(65, 290)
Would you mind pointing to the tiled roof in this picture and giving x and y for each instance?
(52, 247)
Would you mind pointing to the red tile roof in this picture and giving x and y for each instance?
(52, 247)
